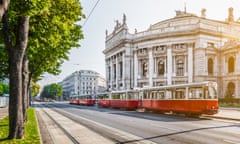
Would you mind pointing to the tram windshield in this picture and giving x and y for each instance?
(212, 92)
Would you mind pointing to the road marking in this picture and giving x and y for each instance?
(232, 142)
(157, 125)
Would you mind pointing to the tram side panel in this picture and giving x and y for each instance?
(125, 104)
(104, 103)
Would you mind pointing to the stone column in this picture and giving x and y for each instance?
(190, 64)
(107, 73)
(165, 66)
(135, 69)
(185, 66)
(237, 90)
(174, 66)
(150, 67)
(169, 66)
(112, 72)
(117, 71)
(123, 70)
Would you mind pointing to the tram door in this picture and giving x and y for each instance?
(140, 98)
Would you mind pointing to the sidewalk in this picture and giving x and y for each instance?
(228, 113)
(3, 112)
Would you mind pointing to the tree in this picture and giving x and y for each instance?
(49, 35)
(52, 91)
(4, 88)
(35, 88)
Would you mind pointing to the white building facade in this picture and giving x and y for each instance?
(184, 49)
(83, 82)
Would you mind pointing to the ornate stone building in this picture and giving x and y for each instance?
(183, 49)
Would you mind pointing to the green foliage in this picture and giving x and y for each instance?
(52, 35)
(4, 88)
(31, 131)
(54, 30)
(52, 91)
(3, 60)
(35, 88)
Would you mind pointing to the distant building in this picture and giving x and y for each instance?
(183, 49)
(83, 82)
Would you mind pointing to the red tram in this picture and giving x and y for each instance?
(124, 99)
(193, 98)
(83, 100)
(103, 99)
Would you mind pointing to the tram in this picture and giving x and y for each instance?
(103, 99)
(124, 99)
(193, 98)
(83, 100)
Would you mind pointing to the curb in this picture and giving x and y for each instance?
(40, 136)
(222, 117)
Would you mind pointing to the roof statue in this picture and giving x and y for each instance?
(124, 19)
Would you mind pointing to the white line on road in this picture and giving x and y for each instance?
(232, 142)
(157, 125)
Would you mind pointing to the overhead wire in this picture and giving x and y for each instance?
(90, 13)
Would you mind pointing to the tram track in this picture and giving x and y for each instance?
(86, 118)
(65, 132)
(104, 133)
(110, 133)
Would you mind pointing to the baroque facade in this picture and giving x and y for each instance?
(83, 82)
(184, 49)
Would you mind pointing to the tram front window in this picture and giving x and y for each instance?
(212, 93)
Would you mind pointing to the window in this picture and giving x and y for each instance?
(231, 64)
(180, 68)
(109, 73)
(115, 70)
(144, 69)
(160, 68)
(230, 90)
(210, 66)
(121, 69)
(210, 44)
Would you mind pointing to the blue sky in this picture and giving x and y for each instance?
(140, 14)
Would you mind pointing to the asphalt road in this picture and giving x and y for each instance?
(158, 128)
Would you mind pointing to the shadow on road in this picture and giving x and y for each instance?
(176, 133)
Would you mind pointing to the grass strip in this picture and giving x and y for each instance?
(31, 130)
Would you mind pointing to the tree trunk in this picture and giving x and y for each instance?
(3, 7)
(25, 80)
(15, 55)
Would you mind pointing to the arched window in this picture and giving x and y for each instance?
(230, 90)
(160, 68)
(180, 68)
(144, 69)
(210, 66)
(231, 64)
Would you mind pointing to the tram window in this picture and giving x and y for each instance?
(168, 95)
(132, 96)
(195, 93)
(122, 96)
(179, 94)
(115, 96)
